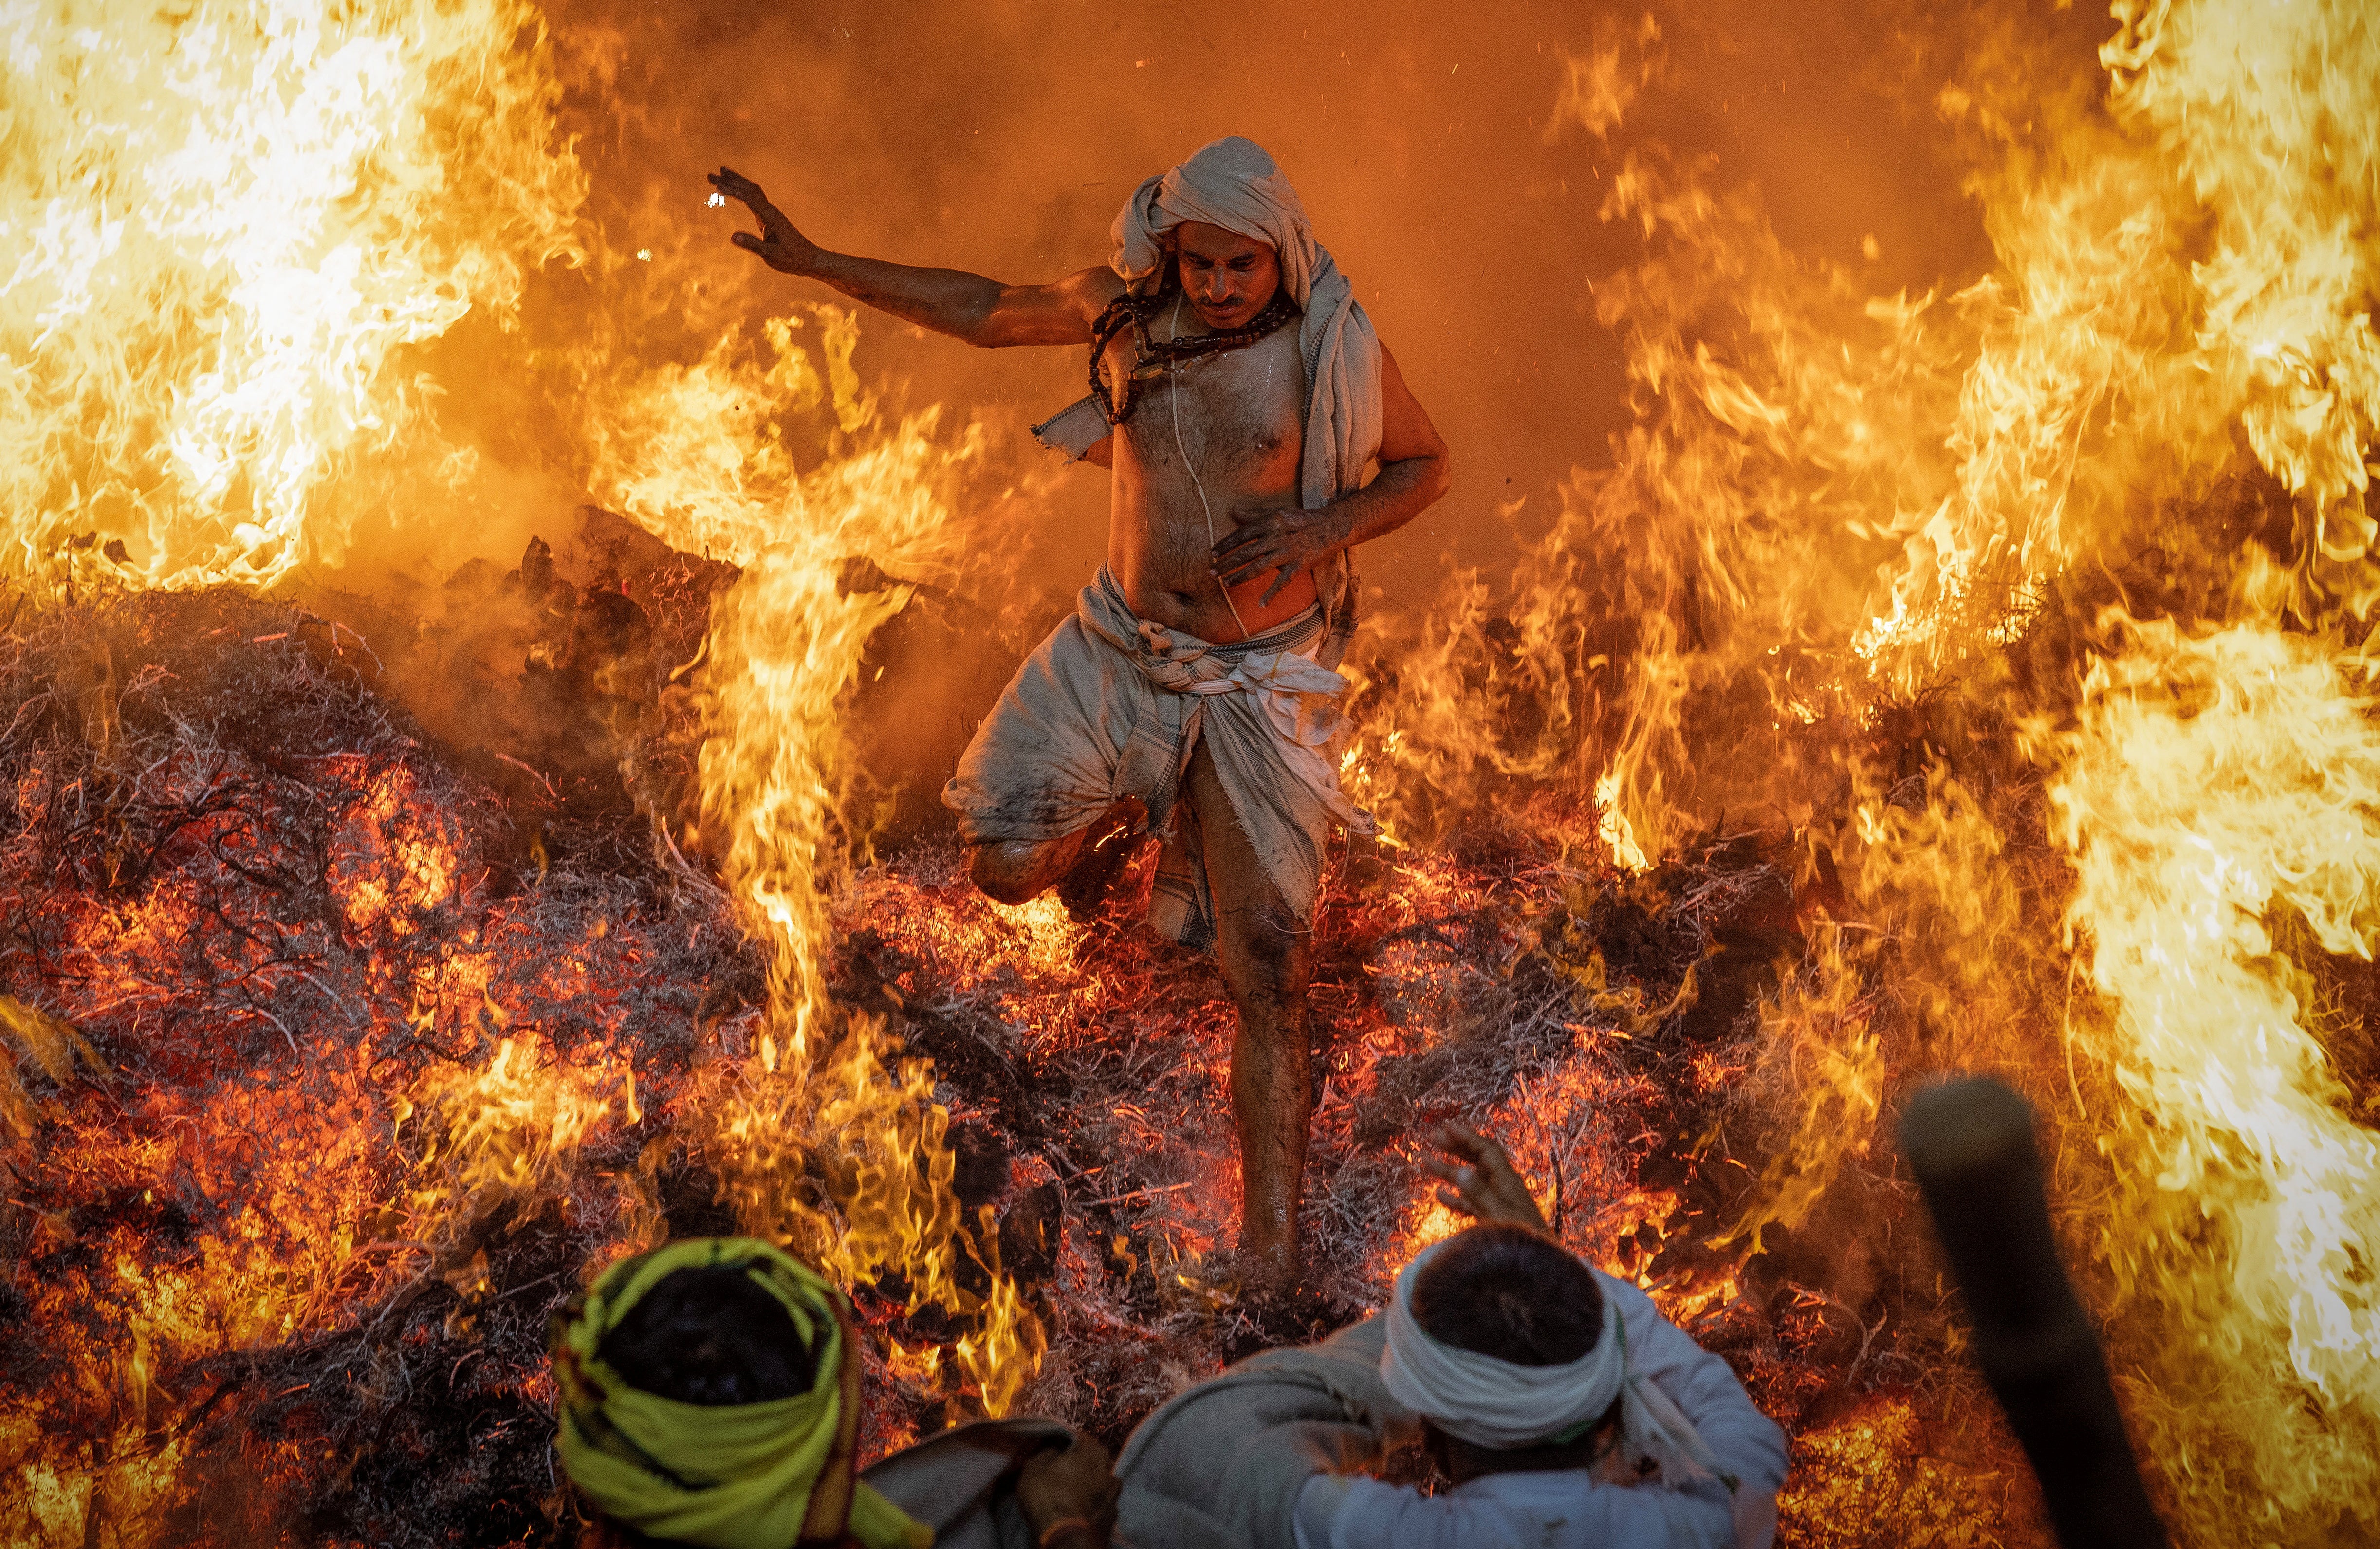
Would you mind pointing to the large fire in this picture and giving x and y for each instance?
(1972, 677)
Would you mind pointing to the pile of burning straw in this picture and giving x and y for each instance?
(344, 1052)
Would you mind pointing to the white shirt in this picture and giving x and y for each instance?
(1567, 1510)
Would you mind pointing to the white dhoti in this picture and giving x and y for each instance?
(1111, 707)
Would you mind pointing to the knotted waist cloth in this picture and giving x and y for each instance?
(1112, 705)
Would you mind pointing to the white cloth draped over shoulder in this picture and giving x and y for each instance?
(1234, 184)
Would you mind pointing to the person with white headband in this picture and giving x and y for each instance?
(1565, 1410)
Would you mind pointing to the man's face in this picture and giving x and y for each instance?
(1228, 277)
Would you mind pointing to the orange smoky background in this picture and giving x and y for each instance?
(1902, 606)
(546, 182)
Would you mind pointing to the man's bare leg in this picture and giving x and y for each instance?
(1264, 952)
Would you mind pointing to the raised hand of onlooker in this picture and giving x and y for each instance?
(1484, 1182)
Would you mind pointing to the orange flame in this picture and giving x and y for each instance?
(228, 224)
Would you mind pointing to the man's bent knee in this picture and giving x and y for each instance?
(1006, 871)
(1016, 870)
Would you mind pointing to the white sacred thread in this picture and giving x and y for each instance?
(1175, 398)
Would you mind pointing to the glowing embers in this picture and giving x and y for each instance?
(579, 1076)
(392, 858)
(1048, 935)
(1029, 987)
(189, 1229)
(927, 932)
(271, 942)
(1894, 1468)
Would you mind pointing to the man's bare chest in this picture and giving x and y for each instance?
(1239, 414)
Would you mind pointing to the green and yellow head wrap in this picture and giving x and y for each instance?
(742, 1476)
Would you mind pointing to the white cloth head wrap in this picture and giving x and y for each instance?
(1497, 1403)
(1233, 184)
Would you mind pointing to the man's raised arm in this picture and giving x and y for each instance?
(969, 307)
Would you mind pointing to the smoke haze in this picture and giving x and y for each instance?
(1426, 143)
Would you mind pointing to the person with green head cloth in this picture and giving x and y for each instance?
(710, 1394)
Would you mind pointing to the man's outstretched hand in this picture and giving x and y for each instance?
(1484, 1181)
(780, 245)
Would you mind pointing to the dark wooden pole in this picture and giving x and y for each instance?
(1970, 1142)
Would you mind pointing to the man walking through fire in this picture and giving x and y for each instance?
(1239, 396)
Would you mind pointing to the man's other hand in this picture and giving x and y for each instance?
(1075, 1484)
(1483, 1183)
(780, 245)
(1290, 541)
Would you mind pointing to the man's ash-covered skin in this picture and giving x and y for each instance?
(1236, 420)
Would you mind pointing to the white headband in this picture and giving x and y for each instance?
(1497, 1403)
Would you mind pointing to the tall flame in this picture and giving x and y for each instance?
(226, 224)
(2218, 797)
(234, 230)
(1845, 498)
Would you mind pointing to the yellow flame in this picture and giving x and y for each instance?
(2215, 792)
(1842, 497)
(513, 1125)
(232, 230)
(699, 457)
(226, 224)
(1820, 1026)
(1612, 825)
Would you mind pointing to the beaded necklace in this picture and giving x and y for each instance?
(1153, 358)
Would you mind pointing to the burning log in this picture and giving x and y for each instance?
(1970, 1142)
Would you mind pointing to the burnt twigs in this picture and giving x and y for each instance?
(1970, 1142)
